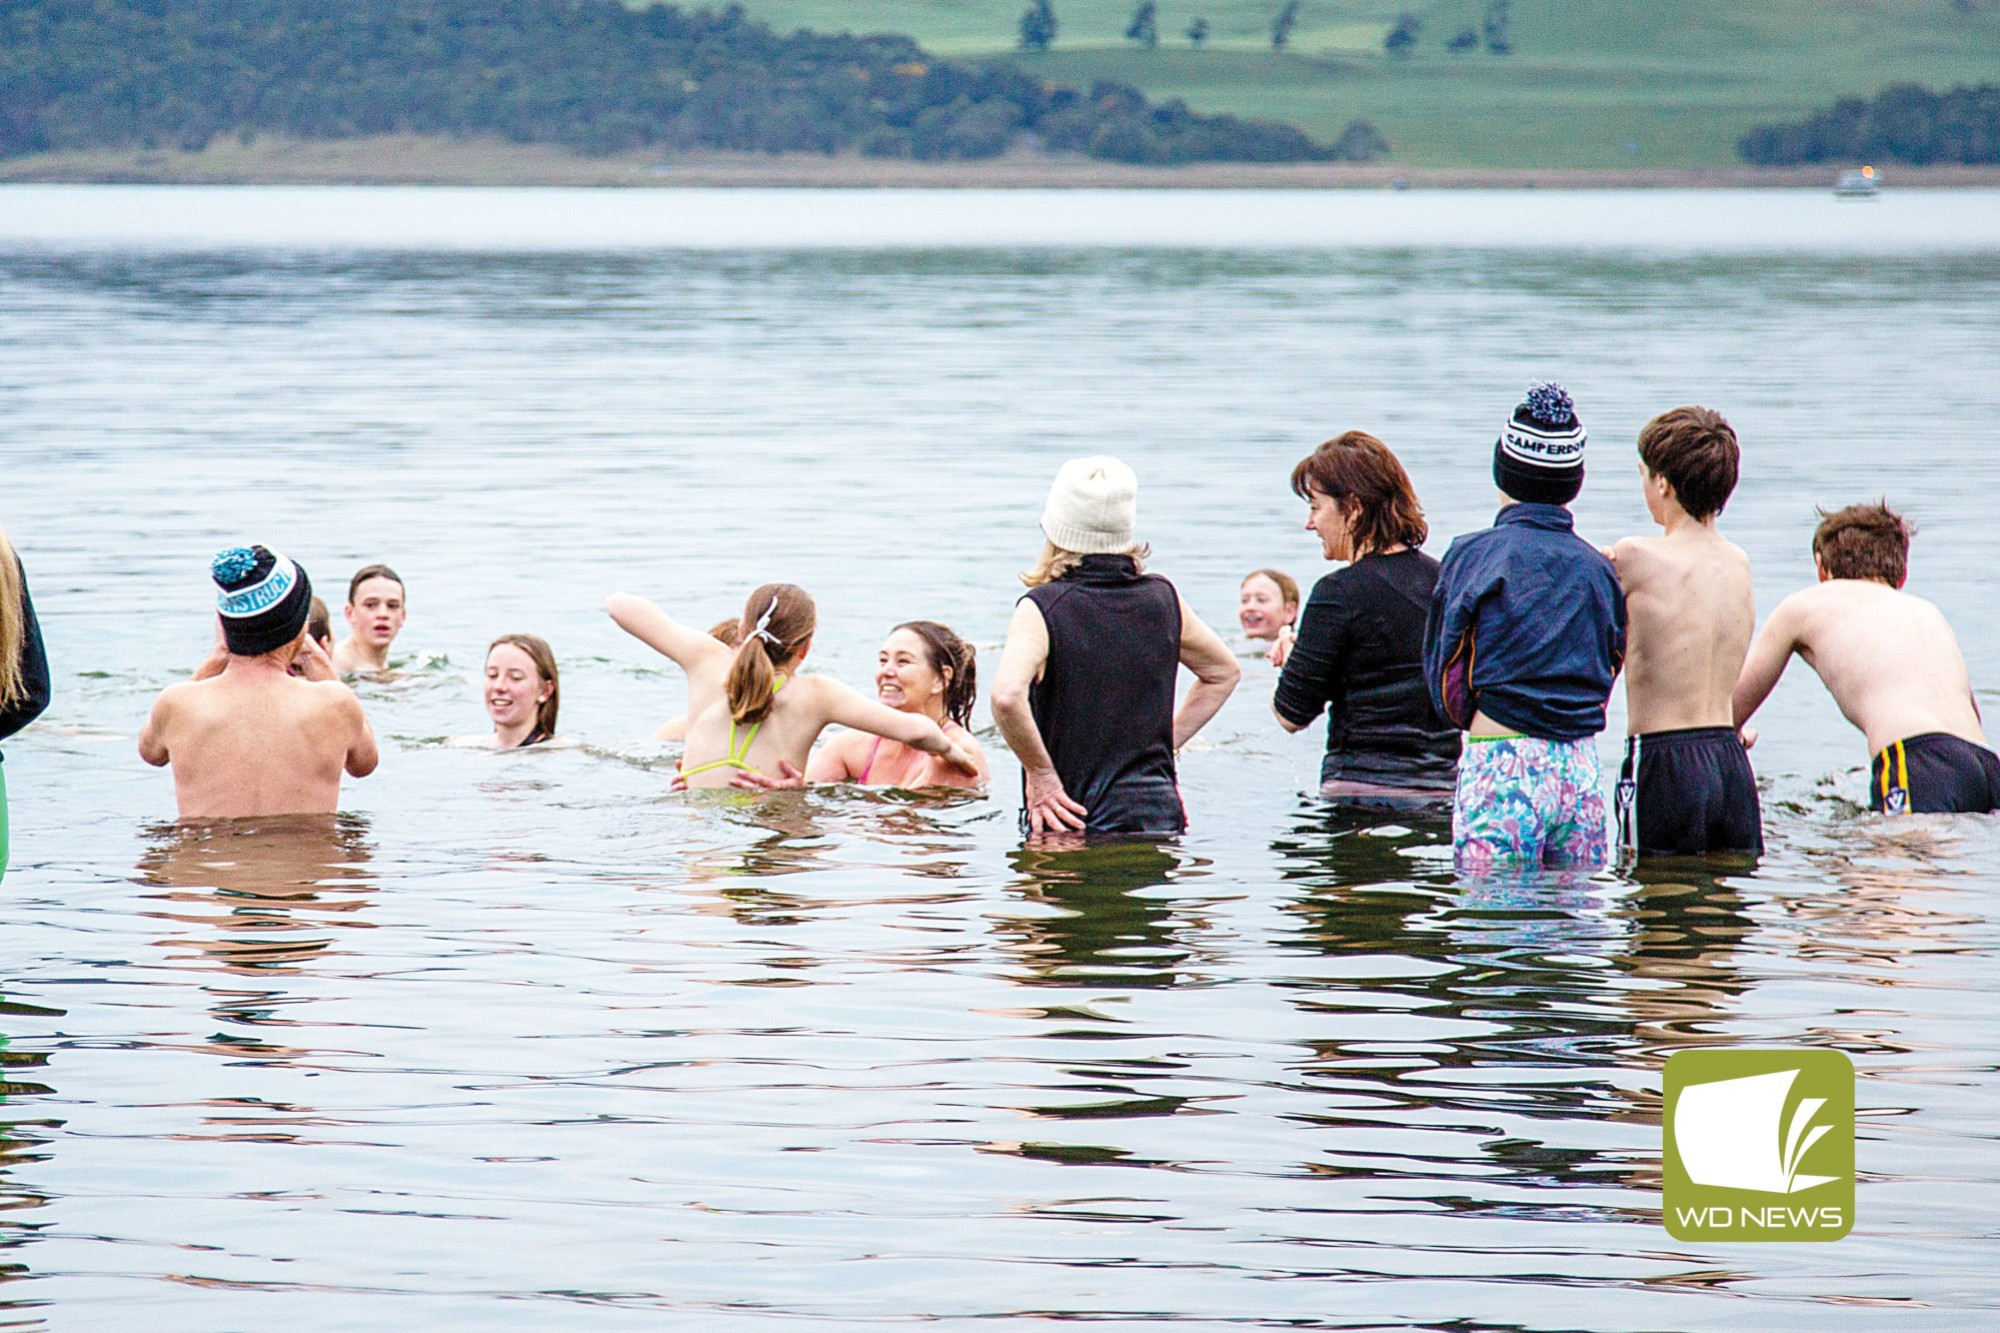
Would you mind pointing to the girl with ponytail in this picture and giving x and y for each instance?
(750, 712)
(24, 667)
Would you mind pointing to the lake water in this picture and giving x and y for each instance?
(527, 1041)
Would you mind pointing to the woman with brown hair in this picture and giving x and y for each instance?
(1358, 652)
(923, 668)
(24, 666)
(749, 709)
(523, 691)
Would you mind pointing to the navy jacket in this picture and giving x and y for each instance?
(1527, 624)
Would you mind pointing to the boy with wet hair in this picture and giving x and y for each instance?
(1890, 661)
(375, 611)
(1524, 640)
(1686, 788)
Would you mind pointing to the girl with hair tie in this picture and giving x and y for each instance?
(24, 666)
(923, 668)
(749, 709)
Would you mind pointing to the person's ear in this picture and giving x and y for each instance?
(1819, 567)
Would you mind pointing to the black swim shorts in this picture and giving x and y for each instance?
(1934, 773)
(1688, 793)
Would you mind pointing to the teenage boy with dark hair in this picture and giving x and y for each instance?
(1889, 660)
(375, 612)
(1686, 788)
(1525, 637)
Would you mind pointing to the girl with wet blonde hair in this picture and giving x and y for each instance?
(749, 710)
(24, 666)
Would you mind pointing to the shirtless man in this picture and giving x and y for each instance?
(1891, 663)
(245, 736)
(375, 613)
(1686, 788)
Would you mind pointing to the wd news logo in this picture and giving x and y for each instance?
(1759, 1145)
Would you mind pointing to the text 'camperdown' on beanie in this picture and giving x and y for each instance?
(1093, 506)
(263, 597)
(1538, 458)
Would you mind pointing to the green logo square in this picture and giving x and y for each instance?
(1759, 1145)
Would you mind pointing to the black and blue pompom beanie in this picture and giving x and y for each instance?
(1538, 458)
(264, 599)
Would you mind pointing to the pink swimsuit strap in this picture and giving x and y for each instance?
(869, 767)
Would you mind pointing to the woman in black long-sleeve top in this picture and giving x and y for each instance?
(1358, 652)
(24, 666)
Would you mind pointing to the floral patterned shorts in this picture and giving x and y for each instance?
(1525, 799)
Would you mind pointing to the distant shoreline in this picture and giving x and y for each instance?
(417, 160)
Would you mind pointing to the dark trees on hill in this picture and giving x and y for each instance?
(1145, 26)
(1281, 26)
(1494, 25)
(1197, 32)
(1905, 123)
(1402, 38)
(588, 74)
(1038, 26)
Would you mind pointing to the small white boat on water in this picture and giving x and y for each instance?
(1862, 184)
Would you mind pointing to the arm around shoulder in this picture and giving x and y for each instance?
(1769, 654)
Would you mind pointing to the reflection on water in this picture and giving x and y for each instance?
(266, 891)
(527, 1040)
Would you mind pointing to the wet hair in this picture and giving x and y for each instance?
(952, 658)
(13, 625)
(728, 631)
(777, 611)
(1695, 450)
(319, 622)
(1056, 562)
(1864, 542)
(1288, 587)
(544, 658)
(367, 572)
(1356, 466)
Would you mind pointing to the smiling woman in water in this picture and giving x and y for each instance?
(523, 692)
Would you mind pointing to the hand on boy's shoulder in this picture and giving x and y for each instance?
(1628, 557)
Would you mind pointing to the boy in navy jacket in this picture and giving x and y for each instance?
(1525, 638)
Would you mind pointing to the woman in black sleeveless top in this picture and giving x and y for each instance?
(1085, 689)
(1358, 654)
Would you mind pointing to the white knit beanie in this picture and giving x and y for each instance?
(1093, 507)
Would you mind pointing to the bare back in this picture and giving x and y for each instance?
(255, 740)
(1690, 614)
(1889, 659)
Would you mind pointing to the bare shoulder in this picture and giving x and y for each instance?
(1634, 557)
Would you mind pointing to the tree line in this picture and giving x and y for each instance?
(593, 75)
(1039, 28)
(1904, 123)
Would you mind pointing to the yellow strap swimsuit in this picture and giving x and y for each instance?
(738, 756)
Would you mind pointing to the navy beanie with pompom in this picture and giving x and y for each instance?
(264, 599)
(1538, 458)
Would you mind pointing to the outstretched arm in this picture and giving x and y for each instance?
(847, 707)
(1050, 808)
(1769, 654)
(660, 631)
(1215, 675)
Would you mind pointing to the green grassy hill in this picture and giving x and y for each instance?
(1645, 83)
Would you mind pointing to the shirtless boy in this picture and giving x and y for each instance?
(1686, 788)
(245, 736)
(1891, 663)
(375, 613)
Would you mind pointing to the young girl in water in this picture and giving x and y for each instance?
(24, 667)
(523, 692)
(749, 709)
(923, 668)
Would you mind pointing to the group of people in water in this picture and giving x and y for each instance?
(1475, 685)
